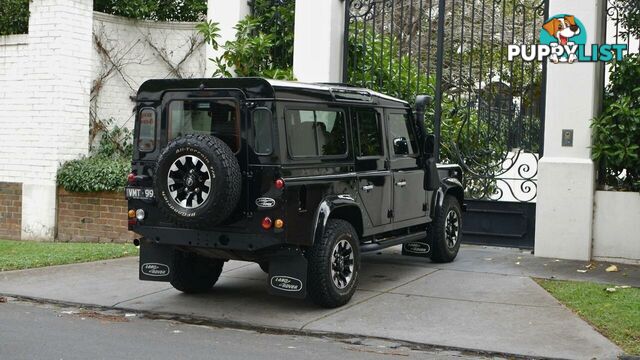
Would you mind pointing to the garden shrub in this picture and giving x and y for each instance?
(14, 17)
(159, 10)
(107, 166)
(616, 132)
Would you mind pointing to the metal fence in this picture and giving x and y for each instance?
(487, 111)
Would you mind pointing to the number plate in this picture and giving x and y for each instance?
(138, 193)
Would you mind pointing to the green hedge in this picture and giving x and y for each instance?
(94, 174)
(14, 17)
(160, 10)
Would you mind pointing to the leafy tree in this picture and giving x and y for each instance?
(160, 10)
(14, 17)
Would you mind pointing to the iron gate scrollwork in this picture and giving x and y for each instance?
(487, 113)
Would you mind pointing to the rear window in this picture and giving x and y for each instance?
(147, 132)
(316, 133)
(219, 118)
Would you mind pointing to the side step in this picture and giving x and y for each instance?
(382, 244)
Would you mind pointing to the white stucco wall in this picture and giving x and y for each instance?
(140, 46)
(616, 229)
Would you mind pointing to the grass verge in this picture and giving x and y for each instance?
(15, 255)
(615, 314)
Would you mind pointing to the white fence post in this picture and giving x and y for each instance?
(57, 82)
(318, 41)
(226, 13)
(566, 180)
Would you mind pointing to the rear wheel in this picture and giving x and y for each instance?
(446, 231)
(194, 274)
(333, 264)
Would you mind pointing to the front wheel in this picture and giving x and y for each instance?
(195, 274)
(446, 231)
(333, 264)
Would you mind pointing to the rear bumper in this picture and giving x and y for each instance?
(222, 240)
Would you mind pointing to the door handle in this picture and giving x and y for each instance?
(402, 183)
(367, 188)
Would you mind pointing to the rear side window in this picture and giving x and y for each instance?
(316, 132)
(369, 136)
(262, 137)
(401, 135)
(147, 133)
(217, 117)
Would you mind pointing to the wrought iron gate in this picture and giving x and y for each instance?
(487, 112)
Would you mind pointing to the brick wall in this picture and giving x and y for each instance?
(10, 210)
(92, 217)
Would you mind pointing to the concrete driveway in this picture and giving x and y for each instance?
(474, 303)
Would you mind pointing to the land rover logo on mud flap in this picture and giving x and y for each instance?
(286, 283)
(417, 247)
(155, 269)
(265, 202)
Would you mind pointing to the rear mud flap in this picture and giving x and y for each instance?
(420, 248)
(156, 262)
(288, 274)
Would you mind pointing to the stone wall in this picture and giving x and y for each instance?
(10, 210)
(92, 217)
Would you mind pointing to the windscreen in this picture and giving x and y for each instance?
(219, 118)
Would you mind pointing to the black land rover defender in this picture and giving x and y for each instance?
(299, 178)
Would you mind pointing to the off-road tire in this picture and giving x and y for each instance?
(442, 251)
(193, 274)
(321, 287)
(225, 187)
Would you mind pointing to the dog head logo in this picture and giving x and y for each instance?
(563, 33)
(563, 28)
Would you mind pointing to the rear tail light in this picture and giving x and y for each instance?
(279, 183)
(278, 224)
(267, 223)
(131, 178)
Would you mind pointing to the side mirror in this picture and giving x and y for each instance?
(400, 146)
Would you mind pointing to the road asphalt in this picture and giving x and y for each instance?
(484, 301)
(36, 331)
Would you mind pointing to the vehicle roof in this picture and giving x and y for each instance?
(260, 88)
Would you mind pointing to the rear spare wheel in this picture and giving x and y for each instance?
(197, 181)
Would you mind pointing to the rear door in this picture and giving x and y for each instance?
(409, 197)
(374, 178)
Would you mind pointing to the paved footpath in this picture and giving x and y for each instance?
(484, 301)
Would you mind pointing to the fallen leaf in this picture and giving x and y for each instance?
(581, 271)
(612, 268)
(590, 266)
(623, 287)
(3, 299)
(518, 263)
(129, 315)
(177, 331)
(611, 289)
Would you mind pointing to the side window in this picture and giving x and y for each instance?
(262, 137)
(147, 133)
(316, 132)
(369, 139)
(401, 134)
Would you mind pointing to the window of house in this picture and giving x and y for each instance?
(316, 132)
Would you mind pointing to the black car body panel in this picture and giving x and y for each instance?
(382, 195)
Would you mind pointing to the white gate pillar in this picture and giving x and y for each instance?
(318, 41)
(226, 13)
(566, 179)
